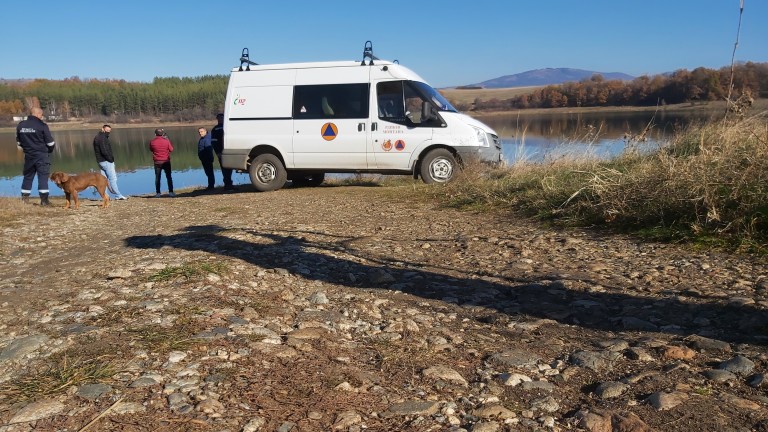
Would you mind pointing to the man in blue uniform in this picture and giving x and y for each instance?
(217, 140)
(34, 138)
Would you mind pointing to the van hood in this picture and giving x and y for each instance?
(469, 120)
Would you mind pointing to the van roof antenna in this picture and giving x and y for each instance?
(244, 60)
(368, 54)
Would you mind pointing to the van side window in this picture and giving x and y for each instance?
(400, 102)
(331, 101)
(390, 101)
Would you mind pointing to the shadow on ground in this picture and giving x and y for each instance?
(501, 298)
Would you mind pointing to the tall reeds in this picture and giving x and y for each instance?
(710, 180)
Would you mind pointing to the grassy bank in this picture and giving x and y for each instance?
(709, 185)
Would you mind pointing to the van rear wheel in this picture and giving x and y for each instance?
(267, 173)
(438, 166)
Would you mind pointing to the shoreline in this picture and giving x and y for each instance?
(80, 125)
(712, 106)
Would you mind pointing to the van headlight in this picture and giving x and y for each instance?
(482, 137)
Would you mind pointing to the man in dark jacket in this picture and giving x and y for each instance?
(217, 140)
(34, 138)
(205, 154)
(106, 159)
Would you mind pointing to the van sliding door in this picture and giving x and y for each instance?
(331, 126)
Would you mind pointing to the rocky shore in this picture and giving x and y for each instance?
(366, 308)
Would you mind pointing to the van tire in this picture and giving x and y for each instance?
(438, 166)
(267, 173)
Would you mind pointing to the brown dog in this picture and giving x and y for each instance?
(72, 184)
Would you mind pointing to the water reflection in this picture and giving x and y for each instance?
(536, 138)
(540, 149)
(527, 137)
(133, 160)
(610, 125)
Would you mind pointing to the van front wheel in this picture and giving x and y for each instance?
(267, 173)
(438, 166)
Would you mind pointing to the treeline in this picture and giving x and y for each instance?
(189, 99)
(682, 86)
(172, 99)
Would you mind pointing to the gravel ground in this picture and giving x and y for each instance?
(366, 308)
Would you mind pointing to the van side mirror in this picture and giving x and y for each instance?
(426, 111)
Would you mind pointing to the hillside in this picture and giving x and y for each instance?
(458, 96)
(12, 82)
(541, 77)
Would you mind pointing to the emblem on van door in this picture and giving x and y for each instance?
(239, 100)
(400, 145)
(386, 145)
(329, 131)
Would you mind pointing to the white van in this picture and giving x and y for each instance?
(299, 121)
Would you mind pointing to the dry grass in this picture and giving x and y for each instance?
(179, 336)
(710, 183)
(56, 377)
(466, 96)
(193, 270)
(398, 361)
(711, 179)
(13, 211)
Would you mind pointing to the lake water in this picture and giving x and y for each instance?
(537, 138)
(133, 160)
(524, 138)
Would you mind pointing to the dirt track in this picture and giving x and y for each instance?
(361, 308)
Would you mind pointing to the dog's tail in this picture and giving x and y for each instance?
(109, 186)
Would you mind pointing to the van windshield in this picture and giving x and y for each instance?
(439, 100)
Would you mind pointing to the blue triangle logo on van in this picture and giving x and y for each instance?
(329, 131)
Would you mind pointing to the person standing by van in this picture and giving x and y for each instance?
(106, 159)
(205, 154)
(217, 140)
(35, 139)
(161, 149)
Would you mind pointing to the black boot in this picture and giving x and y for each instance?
(44, 199)
(25, 198)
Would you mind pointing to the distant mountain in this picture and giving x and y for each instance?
(14, 81)
(540, 77)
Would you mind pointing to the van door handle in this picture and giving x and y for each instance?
(360, 127)
(373, 126)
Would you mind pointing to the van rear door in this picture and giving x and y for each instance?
(330, 111)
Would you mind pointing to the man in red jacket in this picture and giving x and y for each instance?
(161, 148)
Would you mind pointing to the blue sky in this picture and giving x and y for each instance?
(448, 42)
